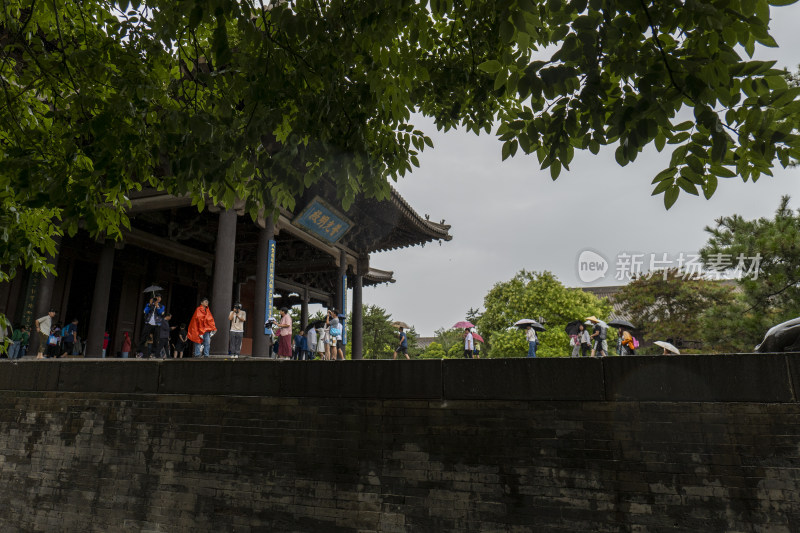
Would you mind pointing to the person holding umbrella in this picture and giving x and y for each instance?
(153, 315)
(533, 340)
(582, 341)
(599, 336)
(469, 343)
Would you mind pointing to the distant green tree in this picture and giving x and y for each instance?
(450, 339)
(669, 305)
(769, 292)
(433, 351)
(380, 338)
(530, 295)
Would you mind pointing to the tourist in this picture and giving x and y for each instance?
(54, 342)
(201, 327)
(19, 336)
(319, 328)
(311, 341)
(126, 344)
(106, 340)
(285, 334)
(237, 318)
(68, 333)
(625, 343)
(403, 346)
(153, 314)
(43, 326)
(300, 346)
(599, 336)
(269, 331)
(585, 341)
(180, 344)
(26, 338)
(469, 344)
(339, 339)
(533, 340)
(332, 325)
(162, 348)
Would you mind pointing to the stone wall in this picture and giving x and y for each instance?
(695, 443)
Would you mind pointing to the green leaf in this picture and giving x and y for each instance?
(492, 66)
(663, 186)
(671, 196)
(555, 170)
(687, 186)
(710, 186)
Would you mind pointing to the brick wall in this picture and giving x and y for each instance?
(623, 444)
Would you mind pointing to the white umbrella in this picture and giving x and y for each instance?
(528, 322)
(667, 346)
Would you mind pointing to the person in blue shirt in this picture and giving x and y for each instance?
(68, 337)
(153, 314)
(403, 347)
(300, 347)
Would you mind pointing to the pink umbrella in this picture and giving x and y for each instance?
(463, 325)
(477, 337)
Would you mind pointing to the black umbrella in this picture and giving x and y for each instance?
(573, 328)
(621, 324)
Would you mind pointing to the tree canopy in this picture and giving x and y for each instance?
(670, 306)
(769, 291)
(530, 295)
(224, 99)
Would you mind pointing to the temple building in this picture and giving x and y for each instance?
(314, 254)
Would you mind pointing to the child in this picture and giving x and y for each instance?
(54, 342)
(180, 346)
(162, 349)
(126, 344)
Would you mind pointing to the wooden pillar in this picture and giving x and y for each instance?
(222, 289)
(261, 313)
(44, 298)
(304, 310)
(358, 308)
(341, 291)
(99, 315)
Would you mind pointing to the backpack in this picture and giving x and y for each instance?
(635, 342)
(335, 332)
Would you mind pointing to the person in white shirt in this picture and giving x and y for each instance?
(533, 340)
(311, 341)
(469, 344)
(237, 318)
(43, 326)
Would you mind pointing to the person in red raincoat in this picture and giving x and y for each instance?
(201, 328)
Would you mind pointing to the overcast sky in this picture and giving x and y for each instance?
(508, 216)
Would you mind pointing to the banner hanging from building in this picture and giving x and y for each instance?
(344, 309)
(270, 281)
